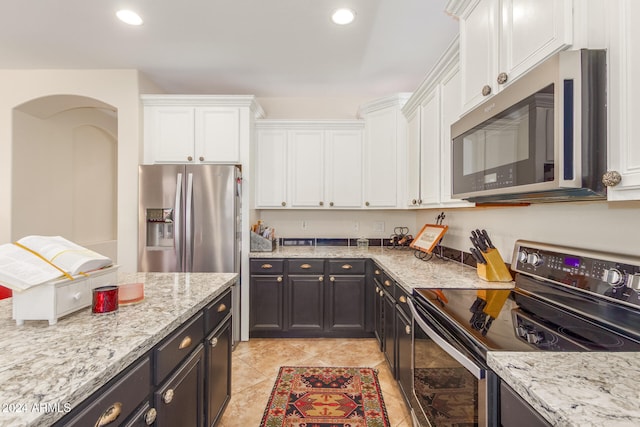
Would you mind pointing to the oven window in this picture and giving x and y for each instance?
(446, 391)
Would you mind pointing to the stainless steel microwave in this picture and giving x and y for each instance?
(541, 139)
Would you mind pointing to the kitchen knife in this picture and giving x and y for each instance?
(478, 244)
(478, 256)
(487, 239)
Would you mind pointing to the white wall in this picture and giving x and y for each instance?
(606, 226)
(118, 88)
(311, 108)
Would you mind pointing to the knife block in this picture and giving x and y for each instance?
(495, 269)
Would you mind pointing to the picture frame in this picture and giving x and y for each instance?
(428, 237)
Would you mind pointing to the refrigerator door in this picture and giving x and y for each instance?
(210, 218)
(160, 211)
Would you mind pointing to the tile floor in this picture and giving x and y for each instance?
(256, 362)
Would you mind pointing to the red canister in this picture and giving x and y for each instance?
(105, 300)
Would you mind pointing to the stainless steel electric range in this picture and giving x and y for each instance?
(565, 299)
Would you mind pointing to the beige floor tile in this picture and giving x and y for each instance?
(256, 363)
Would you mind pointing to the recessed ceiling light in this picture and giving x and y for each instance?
(129, 17)
(343, 16)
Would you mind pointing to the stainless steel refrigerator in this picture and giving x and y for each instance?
(189, 220)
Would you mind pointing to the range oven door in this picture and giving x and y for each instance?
(449, 387)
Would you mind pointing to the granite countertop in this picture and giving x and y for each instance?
(47, 370)
(575, 389)
(567, 389)
(409, 271)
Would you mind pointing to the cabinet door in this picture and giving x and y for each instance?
(378, 303)
(172, 133)
(180, 401)
(343, 171)
(389, 334)
(478, 51)
(413, 159)
(217, 135)
(346, 303)
(450, 112)
(531, 31)
(218, 375)
(266, 303)
(624, 106)
(430, 174)
(271, 168)
(405, 349)
(306, 165)
(305, 302)
(380, 169)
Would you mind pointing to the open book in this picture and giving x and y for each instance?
(34, 260)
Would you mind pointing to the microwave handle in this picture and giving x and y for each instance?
(452, 351)
(570, 94)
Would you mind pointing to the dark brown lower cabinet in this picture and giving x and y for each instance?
(389, 334)
(404, 353)
(267, 303)
(346, 303)
(305, 302)
(218, 371)
(179, 401)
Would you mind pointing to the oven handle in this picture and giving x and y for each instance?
(452, 351)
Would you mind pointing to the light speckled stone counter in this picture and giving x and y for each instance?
(45, 370)
(575, 389)
(400, 264)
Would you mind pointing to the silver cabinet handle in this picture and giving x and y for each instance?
(611, 178)
(213, 341)
(190, 158)
(201, 158)
(486, 90)
(279, 279)
(502, 78)
(407, 329)
(167, 396)
(320, 278)
(150, 416)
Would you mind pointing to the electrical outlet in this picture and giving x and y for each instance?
(304, 225)
(378, 226)
(356, 226)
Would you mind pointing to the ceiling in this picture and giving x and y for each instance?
(268, 48)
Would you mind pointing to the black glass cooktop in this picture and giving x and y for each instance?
(519, 320)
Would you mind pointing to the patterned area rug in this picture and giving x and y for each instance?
(325, 397)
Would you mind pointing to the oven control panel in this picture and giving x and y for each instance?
(612, 275)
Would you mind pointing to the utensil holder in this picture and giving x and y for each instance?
(495, 269)
(260, 244)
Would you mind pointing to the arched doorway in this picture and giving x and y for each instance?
(64, 179)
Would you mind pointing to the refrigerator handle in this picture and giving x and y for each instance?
(177, 224)
(188, 225)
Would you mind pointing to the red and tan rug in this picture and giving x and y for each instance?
(325, 397)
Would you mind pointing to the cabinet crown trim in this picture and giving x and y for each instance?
(248, 101)
(309, 124)
(456, 8)
(397, 100)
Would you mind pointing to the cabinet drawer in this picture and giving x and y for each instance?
(388, 284)
(401, 300)
(267, 266)
(119, 400)
(177, 346)
(72, 297)
(216, 311)
(306, 266)
(347, 266)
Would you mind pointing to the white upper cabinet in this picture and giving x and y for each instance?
(431, 111)
(309, 164)
(624, 100)
(270, 159)
(197, 128)
(385, 151)
(502, 39)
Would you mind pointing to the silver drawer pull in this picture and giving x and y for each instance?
(109, 415)
(186, 342)
(150, 416)
(167, 396)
